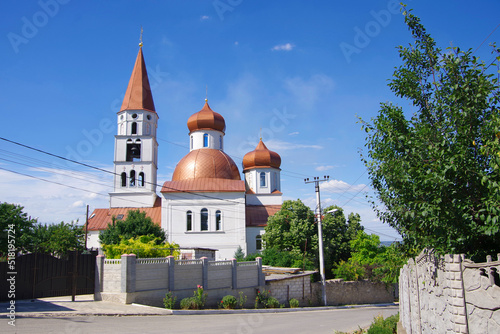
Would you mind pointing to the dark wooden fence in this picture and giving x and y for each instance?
(42, 275)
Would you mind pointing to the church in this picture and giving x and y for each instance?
(208, 204)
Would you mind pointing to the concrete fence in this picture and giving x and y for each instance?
(146, 281)
(449, 294)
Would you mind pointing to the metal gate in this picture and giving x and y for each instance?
(41, 275)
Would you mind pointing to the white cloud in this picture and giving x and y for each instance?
(283, 47)
(280, 145)
(77, 204)
(204, 17)
(293, 133)
(337, 186)
(324, 168)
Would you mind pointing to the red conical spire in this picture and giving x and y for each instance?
(138, 94)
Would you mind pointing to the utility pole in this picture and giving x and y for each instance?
(87, 224)
(316, 182)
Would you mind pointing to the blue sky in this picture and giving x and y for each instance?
(299, 70)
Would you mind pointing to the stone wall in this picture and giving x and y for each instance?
(449, 294)
(297, 286)
(131, 280)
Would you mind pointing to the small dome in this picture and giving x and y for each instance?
(206, 119)
(261, 157)
(206, 163)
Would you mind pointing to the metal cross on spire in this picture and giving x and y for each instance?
(140, 39)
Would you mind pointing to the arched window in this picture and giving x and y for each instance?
(258, 242)
(191, 147)
(124, 179)
(205, 140)
(189, 221)
(134, 128)
(220, 143)
(141, 179)
(218, 220)
(132, 178)
(262, 179)
(204, 219)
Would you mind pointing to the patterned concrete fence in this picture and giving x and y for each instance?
(146, 281)
(449, 294)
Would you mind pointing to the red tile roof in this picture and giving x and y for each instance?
(257, 215)
(203, 185)
(102, 217)
(138, 94)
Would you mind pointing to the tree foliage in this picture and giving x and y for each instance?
(56, 239)
(291, 236)
(371, 260)
(437, 172)
(145, 246)
(12, 215)
(136, 224)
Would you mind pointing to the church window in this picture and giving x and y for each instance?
(204, 219)
(220, 143)
(133, 151)
(218, 220)
(141, 179)
(263, 179)
(191, 147)
(149, 117)
(124, 179)
(258, 242)
(134, 128)
(205, 140)
(134, 116)
(132, 178)
(189, 221)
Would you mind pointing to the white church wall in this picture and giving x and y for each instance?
(231, 234)
(251, 237)
(264, 199)
(215, 139)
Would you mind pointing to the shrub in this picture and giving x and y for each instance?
(293, 303)
(242, 299)
(272, 303)
(200, 297)
(381, 326)
(169, 300)
(262, 298)
(228, 302)
(189, 303)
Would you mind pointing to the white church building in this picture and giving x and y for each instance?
(207, 204)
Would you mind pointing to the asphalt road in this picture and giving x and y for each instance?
(316, 322)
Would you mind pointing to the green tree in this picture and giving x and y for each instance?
(145, 246)
(12, 215)
(437, 172)
(56, 239)
(136, 224)
(291, 236)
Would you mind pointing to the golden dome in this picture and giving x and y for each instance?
(206, 119)
(206, 163)
(261, 157)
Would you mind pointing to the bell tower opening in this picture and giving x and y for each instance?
(133, 152)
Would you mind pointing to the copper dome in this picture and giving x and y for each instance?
(261, 157)
(207, 119)
(206, 163)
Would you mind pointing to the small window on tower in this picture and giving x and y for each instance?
(205, 140)
(263, 179)
(141, 179)
(124, 179)
(258, 242)
(134, 128)
(220, 143)
(191, 143)
(218, 220)
(132, 178)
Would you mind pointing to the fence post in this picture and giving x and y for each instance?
(204, 270)
(261, 276)
(234, 264)
(99, 276)
(128, 272)
(171, 271)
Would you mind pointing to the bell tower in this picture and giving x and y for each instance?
(136, 148)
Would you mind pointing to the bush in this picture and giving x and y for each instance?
(228, 302)
(144, 246)
(272, 303)
(242, 299)
(381, 326)
(293, 303)
(169, 300)
(189, 303)
(262, 298)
